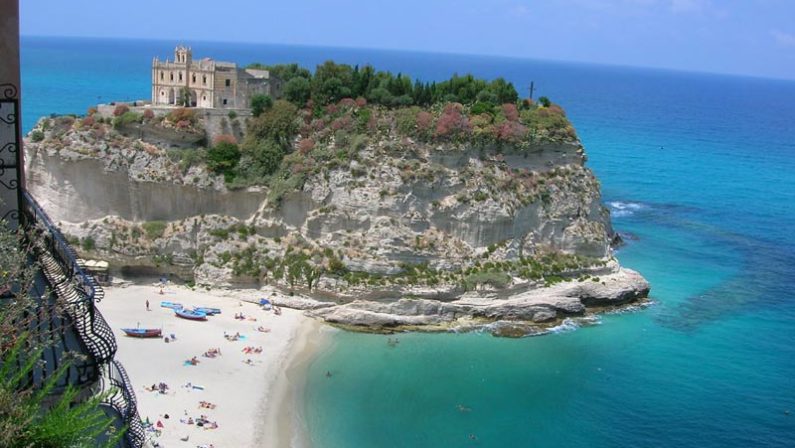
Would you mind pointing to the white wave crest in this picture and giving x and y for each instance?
(620, 209)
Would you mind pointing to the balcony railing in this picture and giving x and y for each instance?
(77, 291)
(74, 287)
(122, 400)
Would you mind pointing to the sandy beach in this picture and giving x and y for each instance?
(252, 396)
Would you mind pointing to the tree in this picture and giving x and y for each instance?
(223, 158)
(277, 123)
(184, 97)
(260, 103)
(544, 101)
(297, 91)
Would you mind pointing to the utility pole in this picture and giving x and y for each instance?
(532, 89)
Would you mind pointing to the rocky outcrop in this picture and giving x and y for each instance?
(402, 233)
(538, 306)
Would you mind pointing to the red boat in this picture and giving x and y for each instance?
(142, 332)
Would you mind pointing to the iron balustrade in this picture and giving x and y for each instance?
(122, 400)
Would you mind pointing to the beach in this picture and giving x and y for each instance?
(248, 385)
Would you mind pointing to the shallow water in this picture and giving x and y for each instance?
(698, 170)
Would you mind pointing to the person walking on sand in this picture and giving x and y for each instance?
(147, 305)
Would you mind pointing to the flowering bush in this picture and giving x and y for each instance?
(452, 122)
(225, 138)
(120, 110)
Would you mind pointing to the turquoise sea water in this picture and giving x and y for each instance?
(700, 173)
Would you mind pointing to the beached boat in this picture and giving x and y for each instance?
(207, 311)
(190, 314)
(172, 305)
(142, 332)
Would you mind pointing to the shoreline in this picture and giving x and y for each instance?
(242, 385)
(285, 423)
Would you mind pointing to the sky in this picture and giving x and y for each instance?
(745, 37)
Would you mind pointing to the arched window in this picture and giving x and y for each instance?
(171, 76)
(204, 79)
(180, 76)
(193, 79)
(161, 76)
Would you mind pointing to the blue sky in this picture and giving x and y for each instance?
(749, 37)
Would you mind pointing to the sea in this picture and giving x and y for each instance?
(699, 173)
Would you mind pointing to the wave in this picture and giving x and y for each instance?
(620, 209)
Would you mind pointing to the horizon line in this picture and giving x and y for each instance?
(431, 52)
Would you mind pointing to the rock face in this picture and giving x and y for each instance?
(537, 305)
(398, 203)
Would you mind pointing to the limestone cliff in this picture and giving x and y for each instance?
(378, 215)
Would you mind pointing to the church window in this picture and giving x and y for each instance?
(224, 100)
(204, 79)
(228, 82)
(161, 76)
(193, 79)
(180, 76)
(171, 76)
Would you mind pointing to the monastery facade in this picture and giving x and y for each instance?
(208, 83)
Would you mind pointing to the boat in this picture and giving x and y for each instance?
(172, 305)
(142, 332)
(207, 311)
(190, 314)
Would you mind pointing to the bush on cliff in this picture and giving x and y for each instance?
(223, 158)
(36, 136)
(260, 103)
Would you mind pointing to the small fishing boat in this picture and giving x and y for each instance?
(207, 311)
(172, 305)
(142, 332)
(190, 314)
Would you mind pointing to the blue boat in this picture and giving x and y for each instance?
(172, 305)
(190, 314)
(142, 332)
(266, 304)
(207, 311)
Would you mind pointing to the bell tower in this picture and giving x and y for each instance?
(183, 55)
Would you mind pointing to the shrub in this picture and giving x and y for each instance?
(223, 158)
(452, 122)
(88, 121)
(306, 145)
(181, 114)
(225, 138)
(36, 136)
(88, 243)
(154, 229)
(232, 115)
(120, 110)
(148, 114)
(127, 118)
(544, 101)
(260, 103)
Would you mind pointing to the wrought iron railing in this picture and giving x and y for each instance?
(74, 287)
(122, 400)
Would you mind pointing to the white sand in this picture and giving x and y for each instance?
(242, 393)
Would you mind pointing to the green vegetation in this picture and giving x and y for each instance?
(36, 136)
(222, 159)
(88, 243)
(260, 103)
(36, 416)
(332, 82)
(127, 118)
(154, 229)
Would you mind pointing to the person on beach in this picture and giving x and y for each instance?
(147, 305)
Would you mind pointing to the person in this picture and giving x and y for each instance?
(147, 305)
(328, 374)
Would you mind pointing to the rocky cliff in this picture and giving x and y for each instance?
(363, 217)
